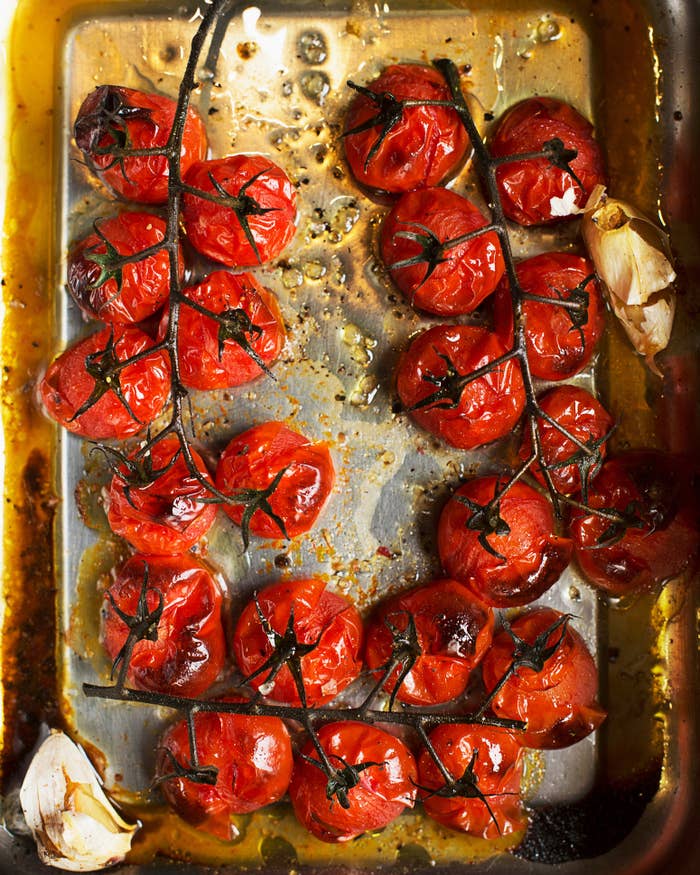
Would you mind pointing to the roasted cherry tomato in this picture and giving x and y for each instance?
(253, 758)
(255, 218)
(558, 703)
(284, 507)
(86, 391)
(507, 554)
(156, 504)
(113, 118)
(425, 143)
(482, 759)
(534, 191)
(466, 415)
(560, 338)
(373, 781)
(190, 650)
(655, 537)
(442, 633)
(420, 245)
(326, 625)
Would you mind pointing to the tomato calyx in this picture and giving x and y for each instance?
(627, 519)
(111, 262)
(340, 781)
(258, 499)
(554, 151)
(405, 651)
(487, 520)
(189, 770)
(135, 471)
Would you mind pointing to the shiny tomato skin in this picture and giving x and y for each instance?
(318, 615)
(559, 703)
(112, 115)
(471, 270)
(145, 385)
(556, 348)
(425, 147)
(216, 231)
(190, 651)
(498, 768)
(453, 629)
(489, 407)
(253, 459)
(527, 187)
(381, 795)
(533, 557)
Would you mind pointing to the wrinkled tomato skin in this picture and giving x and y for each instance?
(425, 147)
(253, 459)
(654, 487)
(145, 386)
(190, 650)
(384, 790)
(498, 768)
(470, 271)
(169, 515)
(559, 703)
(527, 187)
(556, 348)
(253, 756)
(319, 615)
(147, 122)
(216, 231)
(453, 629)
(489, 407)
(533, 557)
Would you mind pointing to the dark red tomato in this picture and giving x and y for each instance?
(267, 208)
(114, 118)
(452, 631)
(427, 144)
(385, 771)
(77, 388)
(558, 703)
(534, 191)
(170, 513)
(509, 556)
(190, 650)
(487, 408)
(583, 417)
(560, 341)
(450, 277)
(255, 458)
(496, 773)
(319, 616)
(253, 756)
(656, 538)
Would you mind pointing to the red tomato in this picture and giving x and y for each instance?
(374, 782)
(257, 195)
(658, 538)
(485, 409)
(560, 341)
(328, 623)
(86, 391)
(426, 143)
(159, 507)
(252, 462)
(478, 757)
(113, 118)
(534, 191)
(509, 556)
(436, 273)
(253, 756)
(190, 649)
(558, 703)
(452, 633)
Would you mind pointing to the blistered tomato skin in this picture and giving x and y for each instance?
(533, 191)
(384, 788)
(427, 145)
(112, 117)
(466, 273)
(190, 650)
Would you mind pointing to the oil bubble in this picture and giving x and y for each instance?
(315, 85)
(312, 47)
(548, 30)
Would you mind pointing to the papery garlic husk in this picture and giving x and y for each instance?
(74, 824)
